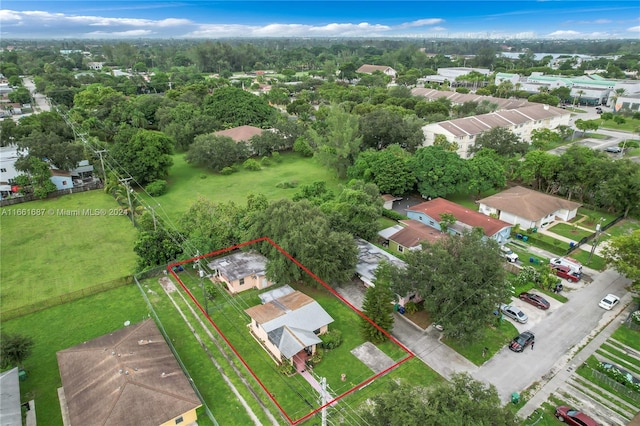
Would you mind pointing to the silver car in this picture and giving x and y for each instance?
(514, 313)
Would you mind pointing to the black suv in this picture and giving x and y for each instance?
(522, 341)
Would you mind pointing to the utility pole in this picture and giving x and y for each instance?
(125, 182)
(204, 291)
(595, 241)
(104, 172)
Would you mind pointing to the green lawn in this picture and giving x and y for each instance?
(494, 338)
(187, 183)
(67, 325)
(49, 255)
(569, 231)
(627, 336)
(630, 125)
(292, 393)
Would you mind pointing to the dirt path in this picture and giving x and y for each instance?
(169, 287)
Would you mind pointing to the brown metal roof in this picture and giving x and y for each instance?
(274, 309)
(239, 134)
(434, 208)
(415, 233)
(527, 203)
(128, 377)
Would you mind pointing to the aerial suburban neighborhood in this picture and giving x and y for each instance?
(366, 215)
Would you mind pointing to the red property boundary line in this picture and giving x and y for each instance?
(326, 286)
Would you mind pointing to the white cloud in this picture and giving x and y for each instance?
(421, 23)
(634, 29)
(118, 34)
(565, 33)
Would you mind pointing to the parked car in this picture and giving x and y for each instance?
(566, 273)
(522, 341)
(509, 254)
(613, 149)
(598, 110)
(573, 417)
(609, 301)
(534, 299)
(567, 261)
(514, 313)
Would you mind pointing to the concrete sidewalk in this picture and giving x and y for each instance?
(568, 364)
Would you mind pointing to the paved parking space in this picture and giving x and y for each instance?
(535, 315)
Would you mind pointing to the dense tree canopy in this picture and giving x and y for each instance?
(438, 172)
(622, 252)
(304, 232)
(378, 306)
(235, 107)
(501, 140)
(388, 169)
(146, 156)
(384, 127)
(460, 402)
(216, 152)
(462, 281)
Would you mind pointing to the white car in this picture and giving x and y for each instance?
(609, 301)
(509, 254)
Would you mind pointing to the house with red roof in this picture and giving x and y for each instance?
(430, 213)
(241, 133)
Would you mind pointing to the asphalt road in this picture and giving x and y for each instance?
(558, 332)
(42, 104)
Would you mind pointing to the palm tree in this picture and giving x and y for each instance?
(618, 92)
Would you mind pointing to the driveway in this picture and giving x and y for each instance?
(558, 333)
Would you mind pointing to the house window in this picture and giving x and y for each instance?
(3, 170)
(431, 223)
(316, 332)
(64, 183)
(241, 281)
(400, 249)
(179, 420)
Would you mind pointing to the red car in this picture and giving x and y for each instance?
(566, 273)
(574, 417)
(534, 299)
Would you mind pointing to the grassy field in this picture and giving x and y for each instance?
(630, 125)
(569, 231)
(67, 325)
(53, 247)
(187, 183)
(494, 338)
(293, 393)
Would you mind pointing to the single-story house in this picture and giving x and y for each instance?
(409, 235)
(240, 134)
(429, 213)
(288, 322)
(128, 377)
(370, 69)
(241, 271)
(528, 208)
(369, 257)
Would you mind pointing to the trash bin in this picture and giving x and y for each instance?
(519, 236)
(571, 244)
(534, 230)
(22, 375)
(525, 238)
(401, 310)
(515, 397)
(532, 259)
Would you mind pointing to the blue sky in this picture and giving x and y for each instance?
(424, 19)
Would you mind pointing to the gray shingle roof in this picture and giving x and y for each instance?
(239, 265)
(527, 203)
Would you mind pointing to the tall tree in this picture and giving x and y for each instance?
(216, 152)
(378, 306)
(622, 189)
(339, 144)
(438, 172)
(388, 169)
(622, 253)
(146, 156)
(485, 172)
(384, 127)
(356, 209)
(460, 401)
(501, 140)
(461, 279)
(234, 107)
(305, 233)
